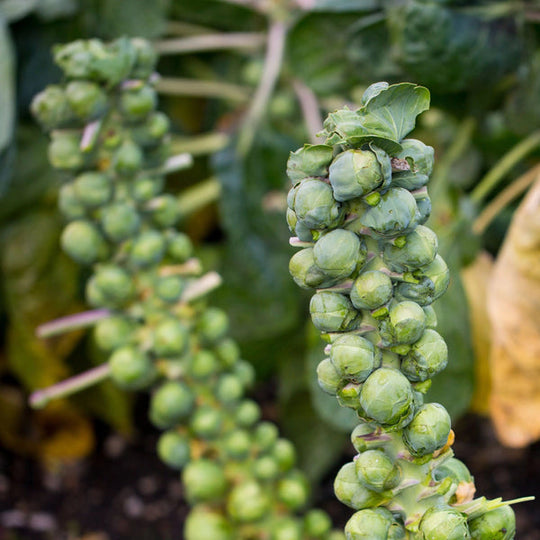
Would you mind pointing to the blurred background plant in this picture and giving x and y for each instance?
(245, 82)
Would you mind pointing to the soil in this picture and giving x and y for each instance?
(123, 492)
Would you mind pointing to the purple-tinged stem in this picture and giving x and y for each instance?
(71, 322)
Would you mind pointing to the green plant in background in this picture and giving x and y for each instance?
(357, 210)
(111, 147)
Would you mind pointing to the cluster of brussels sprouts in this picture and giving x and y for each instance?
(110, 144)
(357, 212)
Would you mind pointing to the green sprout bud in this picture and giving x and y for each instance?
(310, 160)
(229, 389)
(364, 437)
(498, 524)
(113, 332)
(293, 490)
(120, 221)
(170, 338)
(427, 357)
(349, 394)
(377, 471)
(204, 481)
(306, 273)
(65, 152)
(237, 444)
(247, 413)
(371, 290)
(136, 104)
(203, 364)
(179, 247)
(245, 373)
(351, 492)
(228, 352)
(170, 288)
(329, 377)
(419, 250)
(145, 188)
(51, 108)
(147, 249)
(87, 100)
(265, 435)
(291, 220)
(165, 211)
(353, 357)
(173, 449)
(82, 242)
(339, 253)
(266, 468)
(354, 173)
(128, 159)
(428, 430)
(115, 284)
(284, 453)
(455, 469)
(387, 396)
(374, 524)
(423, 208)
(212, 325)
(405, 325)
(287, 529)
(444, 524)
(206, 422)
(315, 206)
(332, 312)
(171, 402)
(131, 368)
(317, 523)
(431, 317)
(152, 131)
(146, 57)
(304, 233)
(93, 189)
(247, 502)
(68, 203)
(205, 524)
(420, 159)
(392, 216)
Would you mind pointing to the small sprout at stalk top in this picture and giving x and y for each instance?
(420, 158)
(428, 430)
(311, 160)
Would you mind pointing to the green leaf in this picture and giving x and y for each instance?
(7, 88)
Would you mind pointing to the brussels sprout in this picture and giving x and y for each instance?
(354, 173)
(51, 108)
(173, 449)
(213, 325)
(164, 211)
(328, 377)
(120, 221)
(374, 524)
(87, 100)
(423, 208)
(284, 453)
(152, 131)
(419, 250)
(69, 204)
(113, 332)
(392, 216)
(229, 389)
(293, 490)
(265, 435)
(145, 58)
(332, 312)
(317, 523)
(93, 189)
(405, 325)
(351, 492)
(291, 220)
(65, 152)
(205, 524)
(145, 188)
(377, 471)
(387, 396)
(339, 253)
(420, 159)
(82, 242)
(444, 524)
(247, 502)
(310, 160)
(315, 206)
(247, 413)
(131, 368)
(206, 422)
(362, 435)
(371, 290)
(170, 338)
(348, 395)
(147, 249)
(431, 317)
(455, 469)
(427, 357)
(266, 468)
(115, 284)
(136, 104)
(286, 529)
(171, 402)
(245, 373)
(179, 247)
(498, 524)
(353, 357)
(304, 233)
(204, 481)
(306, 273)
(227, 351)
(428, 430)
(170, 288)
(237, 444)
(128, 159)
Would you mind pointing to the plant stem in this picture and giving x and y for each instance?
(277, 35)
(213, 89)
(505, 197)
(177, 163)
(207, 143)
(182, 28)
(310, 109)
(504, 165)
(40, 398)
(211, 42)
(198, 196)
(191, 267)
(201, 287)
(71, 322)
